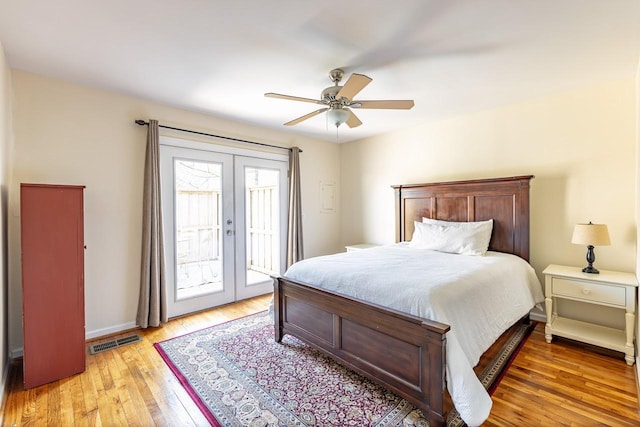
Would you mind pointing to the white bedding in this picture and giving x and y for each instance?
(478, 296)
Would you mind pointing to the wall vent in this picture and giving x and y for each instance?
(119, 342)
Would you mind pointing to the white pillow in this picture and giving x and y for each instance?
(467, 238)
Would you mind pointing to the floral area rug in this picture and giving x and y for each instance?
(239, 376)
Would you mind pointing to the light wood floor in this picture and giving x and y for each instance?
(562, 383)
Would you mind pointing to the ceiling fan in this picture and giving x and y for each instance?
(338, 100)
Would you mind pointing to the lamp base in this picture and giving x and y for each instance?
(590, 269)
(591, 258)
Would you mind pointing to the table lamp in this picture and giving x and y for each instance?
(591, 235)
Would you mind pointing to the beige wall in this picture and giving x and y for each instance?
(6, 149)
(580, 145)
(71, 134)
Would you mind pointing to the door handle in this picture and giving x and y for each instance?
(229, 232)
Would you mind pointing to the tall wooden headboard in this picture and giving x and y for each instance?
(505, 200)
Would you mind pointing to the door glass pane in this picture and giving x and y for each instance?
(262, 224)
(197, 226)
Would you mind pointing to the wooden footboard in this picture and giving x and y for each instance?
(403, 353)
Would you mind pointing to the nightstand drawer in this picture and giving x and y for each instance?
(605, 294)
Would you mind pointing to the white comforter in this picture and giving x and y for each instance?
(478, 296)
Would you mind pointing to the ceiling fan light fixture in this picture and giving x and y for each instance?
(337, 116)
(338, 101)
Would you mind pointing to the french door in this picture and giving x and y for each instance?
(224, 224)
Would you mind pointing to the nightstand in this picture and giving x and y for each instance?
(351, 248)
(609, 288)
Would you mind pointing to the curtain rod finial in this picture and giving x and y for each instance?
(141, 122)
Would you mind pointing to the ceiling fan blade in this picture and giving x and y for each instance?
(293, 98)
(355, 84)
(385, 104)
(353, 121)
(305, 117)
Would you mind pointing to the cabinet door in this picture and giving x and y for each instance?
(52, 236)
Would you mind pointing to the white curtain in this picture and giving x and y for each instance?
(152, 304)
(294, 230)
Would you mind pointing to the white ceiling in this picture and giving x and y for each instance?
(220, 56)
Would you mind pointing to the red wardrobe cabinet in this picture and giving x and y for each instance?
(52, 234)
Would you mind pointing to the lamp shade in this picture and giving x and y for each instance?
(591, 234)
(337, 116)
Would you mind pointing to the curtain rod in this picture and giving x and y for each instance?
(143, 123)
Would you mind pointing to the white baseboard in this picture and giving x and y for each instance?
(97, 333)
(15, 353)
(538, 317)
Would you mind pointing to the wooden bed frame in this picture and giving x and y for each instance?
(402, 352)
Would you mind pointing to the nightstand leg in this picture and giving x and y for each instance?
(630, 319)
(548, 304)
